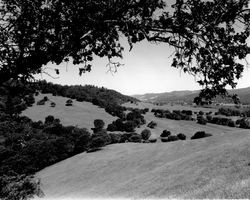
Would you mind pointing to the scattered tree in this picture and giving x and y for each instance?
(145, 134)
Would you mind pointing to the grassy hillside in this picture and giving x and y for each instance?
(81, 114)
(213, 167)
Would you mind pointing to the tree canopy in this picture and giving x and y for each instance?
(209, 36)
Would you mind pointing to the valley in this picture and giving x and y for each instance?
(213, 167)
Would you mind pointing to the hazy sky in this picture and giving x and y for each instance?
(147, 69)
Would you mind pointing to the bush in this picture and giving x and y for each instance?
(49, 119)
(244, 123)
(209, 118)
(200, 134)
(135, 138)
(69, 102)
(52, 104)
(99, 124)
(97, 143)
(201, 112)
(231, 123)
(119, 124)
(152, 140)
(41, 102)
(82, 142)
(170, 138)
(152, 124)
(129, 126)
(187, 112)
(112, 128)
(164, 139)
(125, 136)
(181, 136)
(165, 133)
(37, 125)
(115, 138)
(19, 187)
(104, 134)
(145, 134)
(201, 120)
(45, 98)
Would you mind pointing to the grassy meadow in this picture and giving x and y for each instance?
(212, 167)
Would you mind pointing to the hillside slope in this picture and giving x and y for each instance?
(213, 167)
(188, 96)
(81, 114)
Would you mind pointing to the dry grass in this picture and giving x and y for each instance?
(213, 167)
(81, 114)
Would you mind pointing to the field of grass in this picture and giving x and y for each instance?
(213, 167)
(81, 114)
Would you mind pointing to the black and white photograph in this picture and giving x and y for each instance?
(124, 99)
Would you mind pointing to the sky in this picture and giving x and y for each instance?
(147, 69)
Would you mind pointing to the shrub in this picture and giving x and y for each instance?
(165, 133)
(200, 134)
(129, 126)
(152, 140)
(37, 125)
(172, 138)
(104, 134)
(152, 124)
(231, 123)
(19, 187)
(115, 138)
(99, 124)
(53, 129)
(181, 136)
(209, 118)
(187, 112)
(69, 102)
(164, 139)
(45, 98)
(41, 102)
(145, 134)
(119, 124)
(97, 143)
(244, 123)
(82, 143)
(29, 100)
(178, 112)
(112, 127)
(229, 112)
(201, 120)
(49, 119)
(135, 138)
(52, 104)
(201, 112)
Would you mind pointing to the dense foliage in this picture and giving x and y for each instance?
(128, 122)
(105, 98)
(175, 114)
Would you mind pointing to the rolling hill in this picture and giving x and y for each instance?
(213, 167)
(81, 114)
(188, 96)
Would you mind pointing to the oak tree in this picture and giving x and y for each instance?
(206, 35)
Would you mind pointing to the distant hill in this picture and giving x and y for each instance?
(188, 96)
(97, 95)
